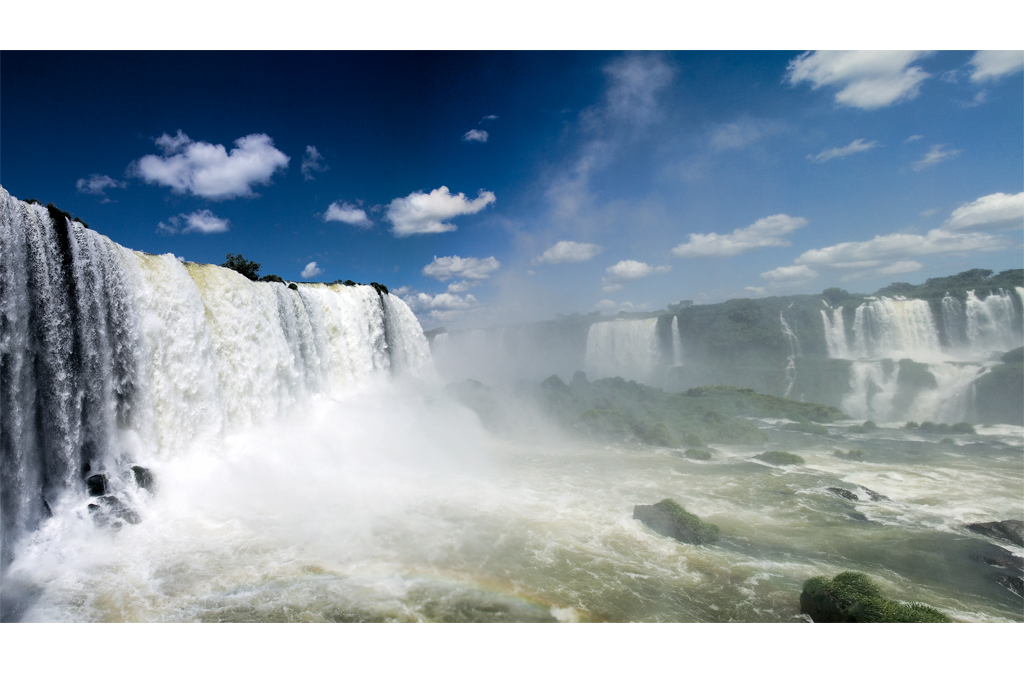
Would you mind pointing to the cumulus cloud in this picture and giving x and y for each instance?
(866, 79)
(471, 268)
(858, 145)
(311, 271)
(313, 161)
(96, 185)
(889, 246)
(341, 211)
(210, 171)
(423, 301)
(201, 221)
(992, 65)
(790, 273)
(421, 213)
(935, 155)
(475, 135)
(995, 211)
(629, 269)
(568, 251)
(462, 286)
(766, 232)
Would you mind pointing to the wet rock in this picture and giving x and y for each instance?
(669, 518)
(842, 493)
(114, 513)
(854, 597)
(143, 477)
(1014, 584)
(1010, 530)
(875, 496)
(857, 516)
(96, 484)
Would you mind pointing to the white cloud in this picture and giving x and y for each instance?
(790, 273)
(935, 242)
(756, 290)
(471, 268)
(462, 286)
(423, 301)
(992, 65)
(737, 135)
(905, 266)
(421, 213)
(838, 152)
(201, 221)
(913, 138)
(766, 232)
(629, 269)
(341, 211)
(636, 81)
(866, 79)
(95, 184)
(311, 271)
(615, 287)
(929, 212)
(209, 171)
(935, 155)
(995, 211)
(488, 118)
(568, 251)
(312, 162)
(475, 134)
(402, 291)
(609, 305)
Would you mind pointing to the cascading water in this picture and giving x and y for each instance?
(794, 353)
(677, 344)
(974, 334)
(109, 357)
(626, 348)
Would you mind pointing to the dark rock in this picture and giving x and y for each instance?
(1010, 530)
(1014, 584)
(669, 518)
(857, 516)
(842, 493)
(143, 477)
(96, 484)
(120, 510)
(875, 496)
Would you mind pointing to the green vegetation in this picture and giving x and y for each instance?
(947, 440)
(670, 518)
(961, 428)
(779, 458)
(911, 425)
(246, 267)
(59, 216)
(698, 454)
(271, 278)
(982, 281)
(854, 597)
(852, 454)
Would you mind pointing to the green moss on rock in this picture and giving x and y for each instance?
(698, 454)
(670, 518)
(854, 597)
(779, 458)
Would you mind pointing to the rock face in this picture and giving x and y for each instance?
(143, 477)
(669, 518)
(853, 597)
(842, 493)
(1010, 530)
(96, 484)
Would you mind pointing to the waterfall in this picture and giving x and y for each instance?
(794, 353)
(677, 344)
(626, 348)
(975, 332)
(108, 355)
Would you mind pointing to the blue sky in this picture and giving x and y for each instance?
(493, 187)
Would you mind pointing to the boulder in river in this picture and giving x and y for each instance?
(1010, 530)
(854, 597)
(670, 518)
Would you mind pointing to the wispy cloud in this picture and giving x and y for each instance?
(739, 134)
(994, 65)
(421, 213)
(859, 145)
(210, 171)
(866, 79)
(790, 273)
(889, 246)
(342, 211)
(766, 232)
(475, 135)
(895, 269)
(568, 251)
(471, 268)
(488, 118)
(313, 161)
(200, 221)
(913, 139)
(311, 271)
(935, 155)
(97, 185)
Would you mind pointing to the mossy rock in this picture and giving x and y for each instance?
(658, 435)
(670, 518)
(854, 597)
(779, 458)
(852, 454)
(911, 425)
(698, 454)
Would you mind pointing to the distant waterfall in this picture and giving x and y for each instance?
(107, 354)
(794, 353)
(975, 331)
(677, 344)
(626, 348)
